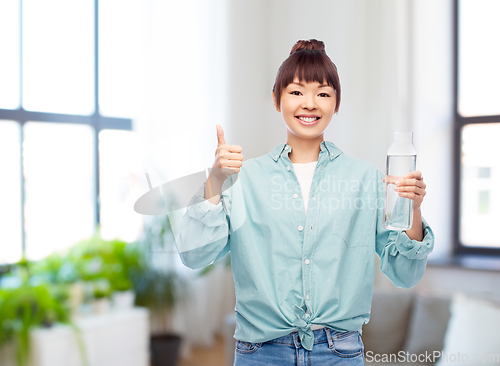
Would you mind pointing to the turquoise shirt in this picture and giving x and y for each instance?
(285, 262)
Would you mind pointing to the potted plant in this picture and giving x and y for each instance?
(123, 295)
(160, 288)
(128, 260)
(57, 269)
(101, 292)
(26, 306)
(112, 261)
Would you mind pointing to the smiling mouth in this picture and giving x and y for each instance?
(308, 119)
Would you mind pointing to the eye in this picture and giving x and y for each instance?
(295, 91)
(325, 95)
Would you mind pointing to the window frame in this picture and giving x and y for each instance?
(459, 122)
(97, 121)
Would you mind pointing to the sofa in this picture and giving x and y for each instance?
(405, 322)
(417, 328)
(424, 328)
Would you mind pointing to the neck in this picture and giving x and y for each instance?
(304, 150)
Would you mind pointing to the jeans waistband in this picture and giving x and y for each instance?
(320, 335)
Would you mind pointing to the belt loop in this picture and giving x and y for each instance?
(329, 337)
(296, 340)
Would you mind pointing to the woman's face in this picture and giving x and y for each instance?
(307, 108)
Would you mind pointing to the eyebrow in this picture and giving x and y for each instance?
(320, 86)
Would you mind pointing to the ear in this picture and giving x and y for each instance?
(274, 102)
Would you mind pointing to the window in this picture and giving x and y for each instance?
(68, 153)
(477, 127)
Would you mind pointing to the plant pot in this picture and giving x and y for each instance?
(123, 300)
(8, 354)
(76, 298)
(165, 349)
(100, 306)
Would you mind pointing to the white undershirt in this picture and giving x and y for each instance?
(305, 173)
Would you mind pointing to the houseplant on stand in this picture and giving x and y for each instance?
(101, 292)
(129, 259)
(161, 288)
(29, 304)
(107, 266)
(57, 269)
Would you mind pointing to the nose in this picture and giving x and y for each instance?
(309, 103)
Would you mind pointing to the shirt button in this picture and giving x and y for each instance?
(320, 166)
(307, 261)
(295, 195)
(276, 157)
(300, 228)
(331, 154)
(307, 297)
(288, 168)
(314, 197)
(288, 147)
(311, 227)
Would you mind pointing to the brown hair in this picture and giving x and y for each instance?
(307, 61)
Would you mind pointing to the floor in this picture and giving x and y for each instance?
(207, 356)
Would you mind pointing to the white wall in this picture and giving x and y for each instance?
(184, 85)
(432, 112)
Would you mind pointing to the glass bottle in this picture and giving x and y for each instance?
(401, 160)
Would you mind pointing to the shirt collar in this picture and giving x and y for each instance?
(326, 146)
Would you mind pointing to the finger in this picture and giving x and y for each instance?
(412, 196)
(234, 148)
(411, 182)
(414, 189)
(220, 135)
(417, 174)
(232, 156)
(392, 179)
(231, 163)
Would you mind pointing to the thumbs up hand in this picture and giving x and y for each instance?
(228, 158)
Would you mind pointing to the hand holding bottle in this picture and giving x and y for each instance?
(410, 186)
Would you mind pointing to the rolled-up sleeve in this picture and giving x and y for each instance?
(402, 260)
(204, 229)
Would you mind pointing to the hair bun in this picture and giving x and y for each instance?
(312, 44)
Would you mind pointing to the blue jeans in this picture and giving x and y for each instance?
(330, 347)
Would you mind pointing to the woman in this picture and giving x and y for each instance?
(302, 224)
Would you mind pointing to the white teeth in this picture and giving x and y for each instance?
(308, 119)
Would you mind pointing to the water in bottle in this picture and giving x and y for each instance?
(401, 160)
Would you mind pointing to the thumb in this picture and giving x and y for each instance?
(220, 135)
